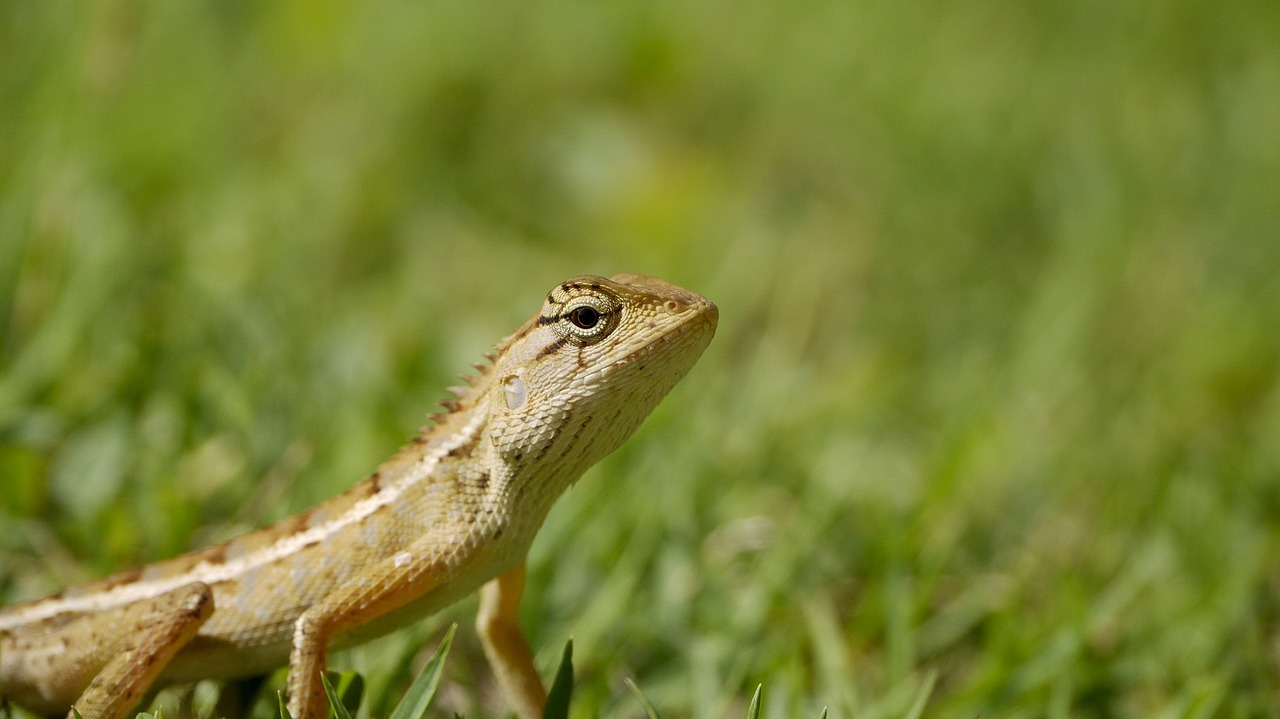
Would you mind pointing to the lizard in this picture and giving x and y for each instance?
(454, 511)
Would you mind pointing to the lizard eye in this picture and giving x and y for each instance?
(588, 319)
(584, 317)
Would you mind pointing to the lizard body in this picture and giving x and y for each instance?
(455, 509)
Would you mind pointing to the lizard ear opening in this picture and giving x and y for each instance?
(514, 391)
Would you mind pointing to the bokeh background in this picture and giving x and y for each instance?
(991, 426)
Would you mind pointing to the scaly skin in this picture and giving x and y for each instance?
(455, 508)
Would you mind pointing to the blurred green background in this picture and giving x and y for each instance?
(991, 424)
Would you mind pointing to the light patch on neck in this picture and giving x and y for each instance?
(514, 390)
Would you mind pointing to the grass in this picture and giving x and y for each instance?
(991, 426)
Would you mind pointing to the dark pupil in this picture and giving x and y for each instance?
(584, 317)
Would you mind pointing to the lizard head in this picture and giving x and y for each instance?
(576, 380)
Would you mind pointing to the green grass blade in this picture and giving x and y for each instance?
(284, 708)
(922, 697)
(418, 698)
(649, 710)
(561, 687)
(336, 707)
(350, 690)
(753, 711)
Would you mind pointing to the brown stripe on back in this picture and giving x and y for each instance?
(245, 544)
(128, 576)
(292, 525)
(217, 554)
(366, 487)
(102, 585)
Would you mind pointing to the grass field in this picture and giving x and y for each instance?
(992, 421)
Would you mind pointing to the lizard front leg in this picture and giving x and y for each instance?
(497, 622)
(385, 586)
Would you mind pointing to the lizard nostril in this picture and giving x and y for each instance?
(675, 307)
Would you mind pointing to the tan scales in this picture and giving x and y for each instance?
(455, 510)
